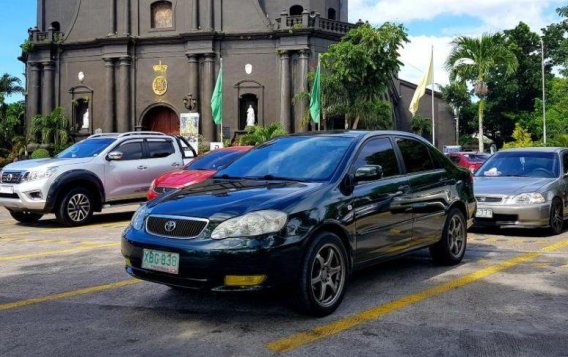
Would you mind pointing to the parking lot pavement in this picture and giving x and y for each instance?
(63, 291)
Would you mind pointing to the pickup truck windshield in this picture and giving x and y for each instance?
(301, 158)
(86, 148)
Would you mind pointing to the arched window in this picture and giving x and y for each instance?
(332, 14)
(55, 26)
(162, 15)
(296, 10)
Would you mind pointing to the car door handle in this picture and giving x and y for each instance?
(402, 190)
(175, 164)
(142, 167)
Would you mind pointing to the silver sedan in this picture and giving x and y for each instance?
(523, 188)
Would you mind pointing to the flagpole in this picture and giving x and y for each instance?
(221, 110)
(433, 105)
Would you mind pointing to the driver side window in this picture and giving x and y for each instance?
(565, 162)
(131, 150)
(378, 152)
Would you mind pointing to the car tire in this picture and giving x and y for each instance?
(75, 208)
(450, 250)
(26, 217)
(324, 275)
(556, 220)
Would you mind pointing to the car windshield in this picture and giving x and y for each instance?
(215, 160)
(477, 157)
(521, 164)
(297, 158)
(86, 148)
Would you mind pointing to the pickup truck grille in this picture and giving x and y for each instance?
(12, 177)
(175, 227)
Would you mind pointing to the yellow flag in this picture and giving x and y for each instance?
(427, 79)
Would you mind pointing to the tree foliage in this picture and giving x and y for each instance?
(52, 129)
(257, 135)
(522, 138)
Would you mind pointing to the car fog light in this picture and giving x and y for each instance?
(244, 280)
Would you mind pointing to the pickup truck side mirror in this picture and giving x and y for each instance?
(115, 156)
(369, 173)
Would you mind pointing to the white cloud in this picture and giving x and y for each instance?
(416, 54)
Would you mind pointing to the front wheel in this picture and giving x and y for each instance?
(324, 275)
(556, 217)
(75, 208)
(25, 217)
(450, 250)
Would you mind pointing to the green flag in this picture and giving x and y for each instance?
(217, 98)
(315, 97)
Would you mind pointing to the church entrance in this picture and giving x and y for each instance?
(161, 119)
(245, 102)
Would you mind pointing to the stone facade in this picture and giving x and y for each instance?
(120, 65)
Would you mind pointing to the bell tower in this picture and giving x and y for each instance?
(328, 9)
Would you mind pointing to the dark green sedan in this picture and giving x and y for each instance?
(304, 212)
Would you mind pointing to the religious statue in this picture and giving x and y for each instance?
(86, 121)
(251, 118)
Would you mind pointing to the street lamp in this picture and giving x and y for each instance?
(543, 92)
(457, 116)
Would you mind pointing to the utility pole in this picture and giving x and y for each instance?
(543, 92)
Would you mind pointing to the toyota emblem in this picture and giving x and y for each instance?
(170, 226)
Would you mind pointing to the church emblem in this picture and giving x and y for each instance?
(160, 83)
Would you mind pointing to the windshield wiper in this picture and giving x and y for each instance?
(228, 177)
(274, 178)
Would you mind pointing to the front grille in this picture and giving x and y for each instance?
(13, 196)
(162, 190)
(12, 177)
(175, 227)
(484, 199)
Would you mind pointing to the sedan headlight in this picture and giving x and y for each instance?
(251, 224)
(35, 175)
(529, 198)
(139, 217)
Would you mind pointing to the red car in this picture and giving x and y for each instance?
(469, 160)
(197, 171)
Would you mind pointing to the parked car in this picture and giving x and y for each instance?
(197, 171)
(469, 160)
(305, 211)
(523, 188)
(102, 171)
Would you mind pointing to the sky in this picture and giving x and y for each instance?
(429, 23)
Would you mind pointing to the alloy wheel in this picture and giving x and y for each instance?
(456, 236)
(79, 207)
(556, 219)
(328, 275)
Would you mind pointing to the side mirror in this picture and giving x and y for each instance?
(369, 173)
(115, 156)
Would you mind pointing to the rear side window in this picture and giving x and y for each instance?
(131, 150)
(160, 149)
(416, 156)
(378, 152)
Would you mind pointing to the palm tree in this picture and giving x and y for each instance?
(52, 128)
(9, 85)
(472, 59)
(257, 135)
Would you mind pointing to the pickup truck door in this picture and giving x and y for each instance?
(126, 179)
(163, 156)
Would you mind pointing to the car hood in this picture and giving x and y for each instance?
(509, 186)
(224, 199)
(26, 165)
(181, 178)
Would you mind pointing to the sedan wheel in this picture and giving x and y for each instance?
(450, 250)
(556, 217)
(324, 275)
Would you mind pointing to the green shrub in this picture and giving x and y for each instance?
(40, 154)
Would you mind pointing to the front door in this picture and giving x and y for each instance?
(383, 219)
(162, 119)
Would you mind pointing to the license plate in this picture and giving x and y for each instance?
(484, 213)
(7, 189)
(161, 261)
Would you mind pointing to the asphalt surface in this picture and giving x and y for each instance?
(63, 291)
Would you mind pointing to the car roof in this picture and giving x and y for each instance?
(359, 134)
(235, 148)
(536, 149)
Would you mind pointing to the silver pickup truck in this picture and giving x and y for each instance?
(101, 171)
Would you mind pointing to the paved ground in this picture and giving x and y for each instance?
(64, 292)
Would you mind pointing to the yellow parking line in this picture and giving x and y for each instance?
(70, 230)
(57, 252)
(290, 343)
(68, 294)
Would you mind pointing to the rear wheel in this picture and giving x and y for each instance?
(26, 217)
(451, 249)
(556, 217)
(324, 275)
(75, 208)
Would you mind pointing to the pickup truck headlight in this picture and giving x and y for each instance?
(529, 198)
(251, 224)
(139, 218)
(35, 175)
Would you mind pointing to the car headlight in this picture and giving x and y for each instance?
(139, 218)
(251, 224)
(529, 198)
(35, 175)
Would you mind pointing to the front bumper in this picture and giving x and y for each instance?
(27, 196)
(204, 263)
(516, 216)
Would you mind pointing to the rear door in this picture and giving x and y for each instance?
(383, 220)
(431, 188)
(123, 178)
(162, 157)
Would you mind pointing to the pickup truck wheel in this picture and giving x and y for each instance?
(75, 208)
(25, 217)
